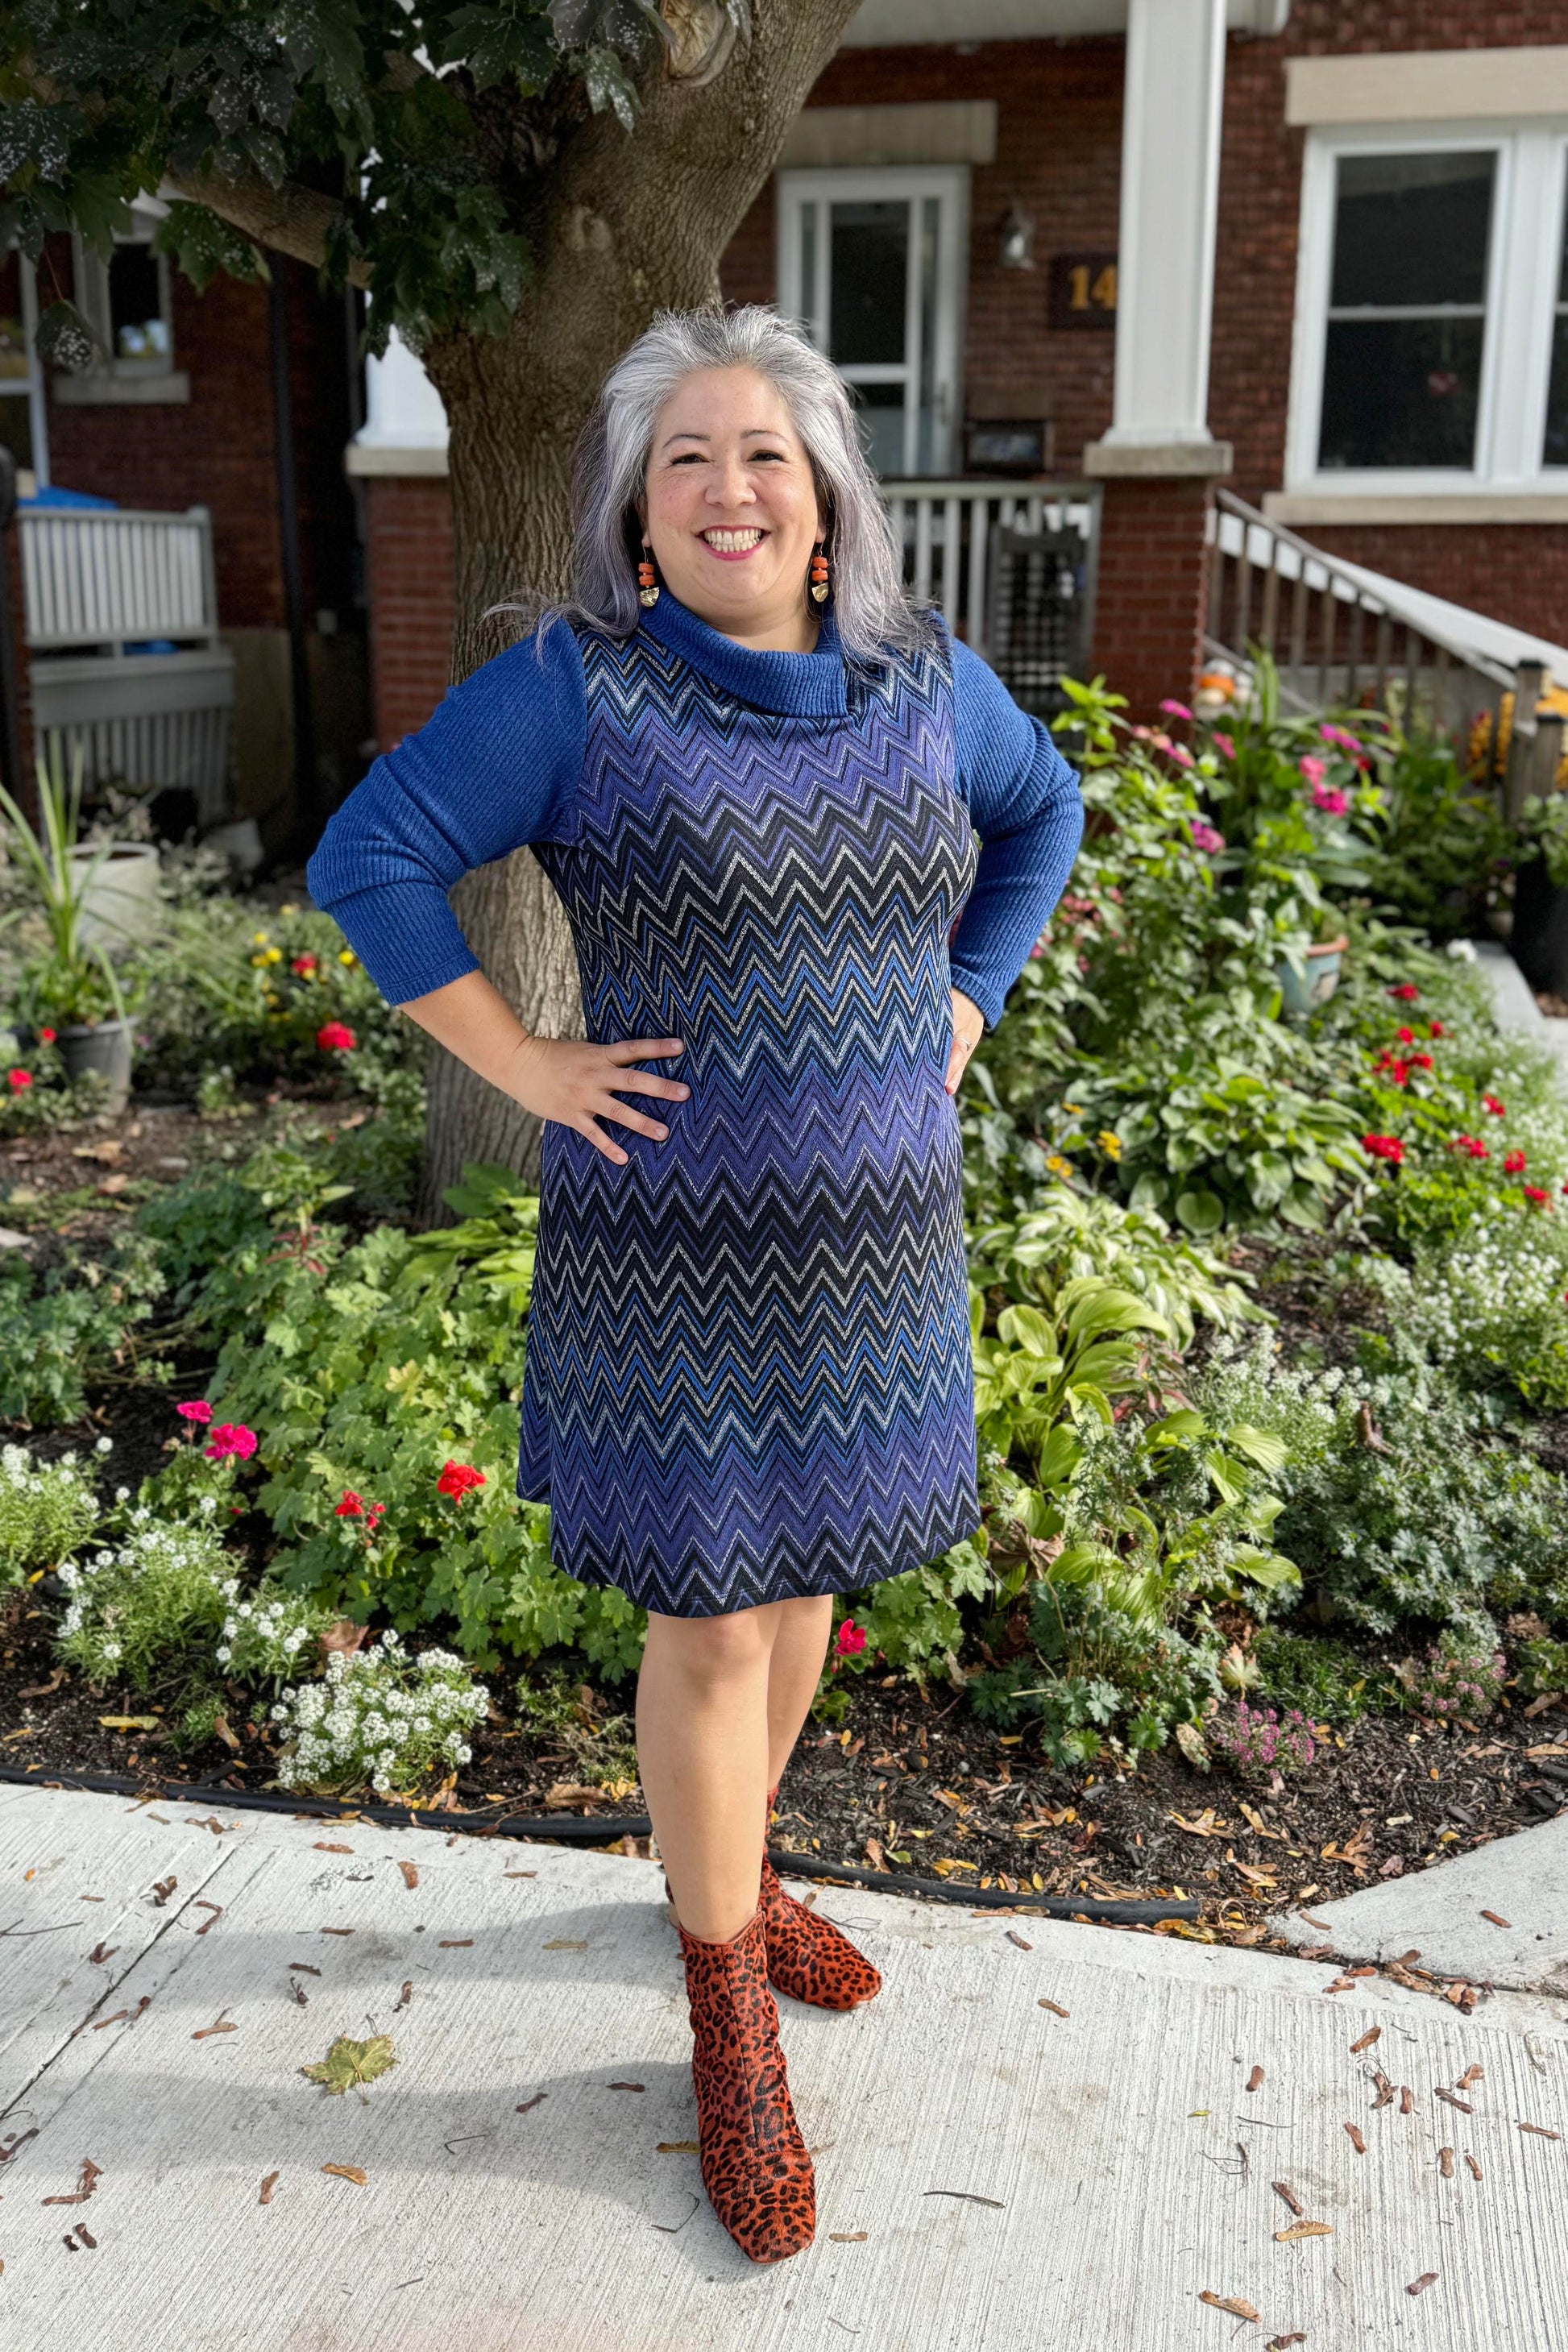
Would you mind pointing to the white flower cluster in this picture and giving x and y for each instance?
(1496, 1297)
(379, 1715)
(262, 1636)
(143, 1597)
(45, 1511)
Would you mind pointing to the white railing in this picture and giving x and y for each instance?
(94, 577)
(950, 530)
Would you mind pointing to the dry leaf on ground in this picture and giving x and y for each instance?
(1255, 2079)
(671, 2146)
(1283, 2188)
(1231, 2303)
(267, 2188)
(410, 1873)
(1055, 2007)
(349, 2063)
(1299, 2230)
(348, 2173)
(1420, 2285)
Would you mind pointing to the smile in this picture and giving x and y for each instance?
(734, 542)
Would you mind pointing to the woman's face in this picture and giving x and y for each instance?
(731, 510)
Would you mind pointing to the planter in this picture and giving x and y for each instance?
(1538, 937)
(1304, 992)
(124, 900)
(103, 1047)
(239, 842)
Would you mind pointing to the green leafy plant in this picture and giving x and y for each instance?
(155, 1601)
(379, 1717)
(73, 981)
(48, 1511)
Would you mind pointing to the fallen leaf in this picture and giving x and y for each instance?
(1282, 2343)
(304, 1966)
(322, 1847)
(1023, 1943)
(1471, 2074)
(1452, 2099)
(1420, 2285)
(337, 1931)
(223, 2025)
(1496, 1918)
(221, 1727)
(848, 2237)
(1475, 2168)
(1356, 2141)
(1406, 2100)
(86, 2180)
(1231, 2303)
(1374, 2033)
(405, 1997)
(666, 2146)
(1384, 2089)
(455, 1944)
(105, 1153)
(129, 1722)
(45, 1690)
(567, 1945)
(533, 2102)
(101, 1952)
(266, 2189)
(1055, 2007)
(85, 2234)
(348, 2064)
(520, 1873)
(1541, 2131)
(1190, 1742)
(411, 1874)
(1255, 2081)
(1205, 1825)
(162, 1890)
(348, 2173)
(110, 2021)
(1282, 2189)
(1257, 1821)
(626, 2086)
(1299, 2230)
(875, 1854)
(343, 1635)
(1260, 1878)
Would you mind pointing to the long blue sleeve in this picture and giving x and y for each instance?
(495, 767)
(1028, 809)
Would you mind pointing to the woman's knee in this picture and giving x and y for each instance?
(714, 1649)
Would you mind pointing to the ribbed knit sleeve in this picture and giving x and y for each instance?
(496, 766)
(1024, 801)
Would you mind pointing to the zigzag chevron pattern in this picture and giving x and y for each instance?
(748, 1373)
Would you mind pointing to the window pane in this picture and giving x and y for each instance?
(808, 266)
(870, 254)
(880, 415)
(135, 309)
(1400, 391)
(1411, 229)
(1554, 449)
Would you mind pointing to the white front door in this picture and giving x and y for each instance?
(871, 262)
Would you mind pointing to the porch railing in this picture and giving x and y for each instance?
(1334, 640)
(1010, 564)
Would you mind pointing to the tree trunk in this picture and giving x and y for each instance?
(621, 227)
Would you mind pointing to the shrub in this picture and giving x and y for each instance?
(48, 1510)
(1257, 1742)
(158, 1596)
(1458, 1678)
(379, 1717)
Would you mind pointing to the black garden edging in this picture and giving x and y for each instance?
(578, 1829)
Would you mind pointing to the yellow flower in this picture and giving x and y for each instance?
(347, 956)
(1058, 1165)
(1109, 1144)
(288, 910)
(1073, 1110)
(258, 958)
(259, 938)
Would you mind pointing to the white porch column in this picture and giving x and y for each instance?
(404, 430)
(1173, 106)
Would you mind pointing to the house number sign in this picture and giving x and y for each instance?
(1082, 290)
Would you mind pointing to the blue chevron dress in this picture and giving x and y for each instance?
(748, 1371)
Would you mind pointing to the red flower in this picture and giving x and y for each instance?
(335, 1037)
(1406, 1036)
(303, 965)
(1384, 1147)
(231, 1437)
(1473, 1146)
(351, 1508)
(46, 1037)
(1490, 1102)
(457, 1479)
(851, 1639)
(18, 1080)
(1514, 1164)
(1420, 1061)
(1435, 1029)
(1536, 1197)
(1406, 993)
(197, 1412)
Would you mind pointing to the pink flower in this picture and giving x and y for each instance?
(335, 1037)
(851, 1639)
(197, 1412)
(1180, 753)
(1490, 1102)
(457, 1479)
(1384, 1147)
(351, 1508)
(1406, 993)
(1175, 709)
(231, 1437)
(46, 1037)
(1338, 735)
(1329, 800)
(1514, 1164)
(1206, 838)
(1313, 770)
(18, 1080)
(1223, 743)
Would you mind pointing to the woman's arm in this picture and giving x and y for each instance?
(553, 1078)
(1028, 809)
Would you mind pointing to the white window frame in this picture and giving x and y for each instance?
(872, 184)
(153, 377)
(1527, 227)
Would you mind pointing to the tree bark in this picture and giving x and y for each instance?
(620, 227)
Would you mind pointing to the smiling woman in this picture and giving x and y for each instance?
(748, 1383)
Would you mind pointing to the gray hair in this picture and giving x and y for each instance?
(871, 604)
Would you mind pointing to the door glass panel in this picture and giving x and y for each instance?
(881, 410)
(1554, 448)
(871, 274)
(927, 428)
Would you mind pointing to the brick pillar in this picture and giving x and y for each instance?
(408, 552)
(1150, 585)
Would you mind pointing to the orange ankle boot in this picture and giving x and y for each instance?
(807, 1957)
(756, 2165)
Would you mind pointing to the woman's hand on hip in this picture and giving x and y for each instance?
(578, 1085)
(968, 1028)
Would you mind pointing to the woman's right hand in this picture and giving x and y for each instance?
(578, 1085)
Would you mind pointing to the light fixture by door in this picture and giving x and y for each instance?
(1018, 248)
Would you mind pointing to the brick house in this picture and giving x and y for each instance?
(1143, 253)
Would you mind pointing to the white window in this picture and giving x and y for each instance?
(872, 262)
(1431, 348)
(125, 300)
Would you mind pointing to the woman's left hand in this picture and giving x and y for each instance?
(968, 1028)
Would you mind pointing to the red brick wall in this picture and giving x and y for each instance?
(1058, 155)
(1149, 599)
(408, 527)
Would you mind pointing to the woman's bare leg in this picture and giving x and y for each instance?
(793, 1673)
(703, 1728)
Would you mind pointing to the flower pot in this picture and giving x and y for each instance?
(122, 902)
(1538, 937)
(103, 1047)
(1303, 992)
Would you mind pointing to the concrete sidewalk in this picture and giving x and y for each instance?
(991, 2173)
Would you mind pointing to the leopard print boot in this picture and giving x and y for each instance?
(807, 1957)
(756, 2165)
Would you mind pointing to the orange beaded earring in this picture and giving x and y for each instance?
(647, 586)
(819, 574)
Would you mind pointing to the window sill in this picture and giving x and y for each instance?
(100, 391)
(1480, 505)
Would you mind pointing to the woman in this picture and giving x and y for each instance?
(753, 779)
